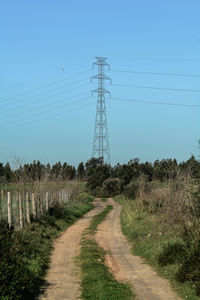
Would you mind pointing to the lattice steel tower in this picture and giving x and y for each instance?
(101, 142)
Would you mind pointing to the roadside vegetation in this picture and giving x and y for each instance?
(97, 281)
(107, 181)
(104, 199)
(25, 254)
(161, 214)
(163, 222)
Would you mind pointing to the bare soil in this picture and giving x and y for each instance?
(62, 277)
(145, 282)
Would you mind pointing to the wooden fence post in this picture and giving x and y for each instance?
(20, 210)
(27, 209)
(33, 205)
(59, 196)
(40, 203)
(47, 200)
(65, 197)
(9, 210)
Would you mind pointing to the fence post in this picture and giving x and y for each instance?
(65, 197)
(20, 210)
(59, 196)
(33, 205)
(27, 209)
(40, 203)
(9, 210)
(47, 200)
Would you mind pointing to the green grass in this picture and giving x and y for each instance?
(97, 282)
(98, 219)
(104, 199)
(85, 197)
(25, 254)
(149, 233)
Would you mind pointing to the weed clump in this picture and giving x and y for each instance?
(173, 252)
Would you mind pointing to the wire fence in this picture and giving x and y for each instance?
(19, 208)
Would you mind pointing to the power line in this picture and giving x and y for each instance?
(167, 59)
(21, 105)
(52, 115)
(46, 111)
(44, 76)
(156, 73)
(156, 88)
(49, 84)
(54, 103)
(155, 102)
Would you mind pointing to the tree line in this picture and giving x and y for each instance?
(104, 180)
(96, 172)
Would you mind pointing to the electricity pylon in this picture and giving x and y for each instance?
(101, 141)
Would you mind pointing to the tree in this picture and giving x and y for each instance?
(111, 187)
(56, 170)
(92, 163)
(80, 171)
(96, 179)
(8, 173)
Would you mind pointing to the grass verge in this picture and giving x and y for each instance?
(98, 219)
(150, 234)
(104, 199)
(97, 282)
(25, 254)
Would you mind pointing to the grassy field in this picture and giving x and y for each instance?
(96, 278)
(150, 234)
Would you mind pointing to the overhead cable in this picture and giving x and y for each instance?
(156, 73)
(157, 88)
(49, 84)
(156, 102)
(44, 112)
(50, 115)
(48, 94)
(55, 102)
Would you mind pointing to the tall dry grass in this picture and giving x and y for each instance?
(174, 199)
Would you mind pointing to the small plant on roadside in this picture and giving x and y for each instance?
(173, 252)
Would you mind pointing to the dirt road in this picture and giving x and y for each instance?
(62, 284)
(126, 267)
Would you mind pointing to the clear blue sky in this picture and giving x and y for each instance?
(47, 112)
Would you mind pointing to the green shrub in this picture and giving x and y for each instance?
(189, 270)
(132, 189)
(56, 211)
(24, 254)
(173, 252)
(137, 186)
(85, 197)
(120, 199)
(111, 187)
(15, 276)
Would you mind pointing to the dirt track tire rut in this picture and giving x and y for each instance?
(62, 277)
(144, 280)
